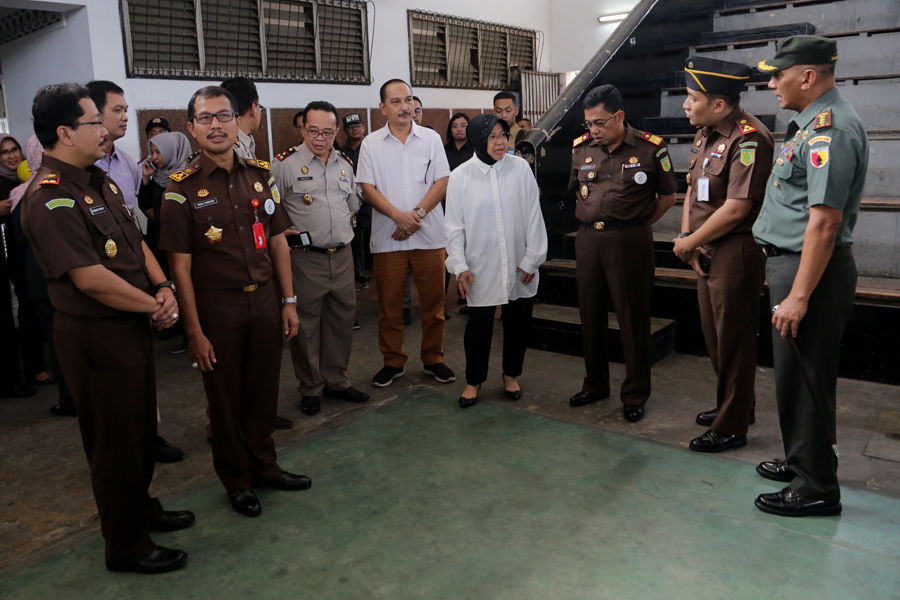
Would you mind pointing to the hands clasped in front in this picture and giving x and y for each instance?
(167, 313)
(690, 254)
(408, 223)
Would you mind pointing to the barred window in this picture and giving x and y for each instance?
(447, 51)
(279, 40)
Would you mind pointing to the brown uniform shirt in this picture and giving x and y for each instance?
(621, 185)
(204, 198)
(739, 154)
(78, 218)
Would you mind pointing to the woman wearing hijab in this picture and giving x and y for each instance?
(169, 154)
(496, 240)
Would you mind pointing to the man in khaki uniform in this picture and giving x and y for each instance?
(320, 197)
(730, 161)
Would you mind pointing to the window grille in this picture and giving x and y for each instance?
(18, 23)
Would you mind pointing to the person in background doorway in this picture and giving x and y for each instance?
(524, 124)
(298, 127)
(121, 168)
(250, 111)
(155, 126)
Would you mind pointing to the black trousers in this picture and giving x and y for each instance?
(45, 311)
(480, 330)
(9, 350)
(359, 245)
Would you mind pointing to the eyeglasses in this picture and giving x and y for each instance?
(10, 151)
(460, 125)
(261, 107)
(325, 135)
(418, 111)
(97, 124)
(601, 122)
(496, 136)
(223, 116)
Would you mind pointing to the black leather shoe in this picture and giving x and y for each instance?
(161, 560)
(288, 482)
(407, 317)
(166, 452)
(788, 503)
(467, 402)
(282, 423)
(63, 411)
(512, 395)
(309, 405)
(349, 394)
(712, 441)
(17, 391)
(172, 520)
(633, 412)
(246, 503)
(776, 470)
(706, 418)
(585, 398)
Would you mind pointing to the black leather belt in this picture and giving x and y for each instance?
(769, 250)
(328, 251)
(613, 225)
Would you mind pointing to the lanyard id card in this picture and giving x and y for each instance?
(703, 184)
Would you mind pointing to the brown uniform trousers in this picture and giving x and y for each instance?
(244, 329)
(729, 313)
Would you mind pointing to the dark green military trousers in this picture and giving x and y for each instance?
(806, 440)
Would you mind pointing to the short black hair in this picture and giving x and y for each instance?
(383, 91)
(730, 101)
(57, 105)
(244, 91)
(323, 106)
(99, 89)
(210, 91)
(450, 123)
(416, 98)
(300, 114)
(507, 96)
(607, 95)
(524, 119)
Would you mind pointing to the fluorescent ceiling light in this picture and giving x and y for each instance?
(610, 18)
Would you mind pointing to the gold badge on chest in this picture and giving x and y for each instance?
(304, 170)
(307, 199)
(584, 192)
(110, 248)
(88, 200)
(114, 189)
(258, 186)
(721, 148)
(213, 234)
(699, 142)
(202, 193)
(592, 174)
(633, 160)
(589, 160)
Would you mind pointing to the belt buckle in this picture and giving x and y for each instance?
(599, 225)
(766, 252)
(331, 251)
(251, 288)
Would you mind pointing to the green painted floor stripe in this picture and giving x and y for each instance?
(422, 500)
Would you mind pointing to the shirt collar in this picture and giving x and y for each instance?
(628, 139)
(416, 131)
(484, 168)
(727, 125)
(208, 165)
(818, 105)
(69, 172)
(307, 155)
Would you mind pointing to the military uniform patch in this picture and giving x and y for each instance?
(347, 158)
(748, 153)
(820, 138)
(285, 153)
(60, 202)
(818, 157)
(748, 128)
(823, 120)
(666, 164)
(180, 175)
(581, 139)
(176, 197)
(660, 152)
(51, 179)
(261, 164)
(653, 139)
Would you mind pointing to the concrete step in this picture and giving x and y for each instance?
(856, 50)
(827, 18)
(558, 329)
(741, 34)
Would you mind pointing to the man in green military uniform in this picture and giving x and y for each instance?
(805, 227)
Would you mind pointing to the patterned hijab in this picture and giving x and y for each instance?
(34, 154)
(175, 150)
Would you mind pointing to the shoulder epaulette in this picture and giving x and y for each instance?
(653, 139)
(581, 139)
(747, 128)
(191, 158)
(285, 153)
(347, 158)
(823, 120)
(259, 163)
(51, 179)
(180, 175)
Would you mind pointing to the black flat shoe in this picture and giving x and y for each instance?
(349, 395)
(288, 482)
(172, 520)
(712, 441)
(161, 560)
(776, 470)
(467, 402)
(510, 395)
(633, 412)
(309, 405)
(18, 391)
(585, 398)
(246, 503)
(62, 411)
(788, 503)
(282, 423)
(706, 418)
(166, 452)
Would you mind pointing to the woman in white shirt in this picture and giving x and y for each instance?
(496, 240)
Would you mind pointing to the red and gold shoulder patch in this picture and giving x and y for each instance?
(748, 128)
(345, 157)
(823, 120)
(179, 175)
(261, 164)
(51, 179)
(285, 153)
(653, 139)
(580, 140)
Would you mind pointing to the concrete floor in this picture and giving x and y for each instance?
(47, 507)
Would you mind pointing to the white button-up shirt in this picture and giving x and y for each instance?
(404, 173)
(494, 225)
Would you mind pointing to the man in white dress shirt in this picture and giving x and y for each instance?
(244, 91)
(403, 172)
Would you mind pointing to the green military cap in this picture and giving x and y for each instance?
(716, 76)
(800, 50)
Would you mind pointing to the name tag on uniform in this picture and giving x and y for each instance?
(206, 203)
(587, 167)
(703, 189)
(309, 178)
(97, 210)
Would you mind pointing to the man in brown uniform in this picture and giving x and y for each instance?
(730, 162)
(618, 175)
(104, 284)
(223, 229)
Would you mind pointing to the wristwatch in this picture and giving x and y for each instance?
(291, 300)
(684, 234)
(162, 284)
(421, 212)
